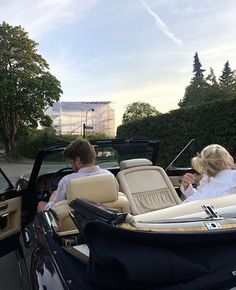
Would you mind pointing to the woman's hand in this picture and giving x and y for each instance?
(188, 178)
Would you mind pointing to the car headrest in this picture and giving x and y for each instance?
(134, 163)
(98, 188)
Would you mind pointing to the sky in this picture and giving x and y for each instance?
(126, 51)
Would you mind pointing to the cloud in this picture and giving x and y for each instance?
(39, 17)
(160, 24)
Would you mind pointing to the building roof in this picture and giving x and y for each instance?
(75, 106)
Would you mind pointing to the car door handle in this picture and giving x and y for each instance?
(3, 207)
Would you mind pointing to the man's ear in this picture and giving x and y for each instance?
(77, 160)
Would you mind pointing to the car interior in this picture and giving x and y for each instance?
(137, 195)
(167, 215)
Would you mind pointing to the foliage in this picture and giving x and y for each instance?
(201, 90)
(28, 146)
(227, 82)
(96, 136)
(211, 78)
(46, 121)
(195, 92)
(227, 77)
(198, 72)
(137, 111)
(29, 143)
(207, 123)
(26, 85)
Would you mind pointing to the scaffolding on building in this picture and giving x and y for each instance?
(71, 117)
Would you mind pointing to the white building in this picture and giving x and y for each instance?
(71, 117)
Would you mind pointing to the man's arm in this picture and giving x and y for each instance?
(58, 195)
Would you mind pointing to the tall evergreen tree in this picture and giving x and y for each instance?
(227, 77)
(198, 72)
(227, 82)
(211, 78)
(213, 91)
(195, 92)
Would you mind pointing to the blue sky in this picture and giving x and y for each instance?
(127, 50)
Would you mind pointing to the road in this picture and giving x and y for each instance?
(14, 170)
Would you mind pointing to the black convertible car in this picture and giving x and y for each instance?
(137, 235)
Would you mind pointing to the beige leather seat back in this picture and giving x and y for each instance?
(98, 188)
(102, 188)
(147, 187)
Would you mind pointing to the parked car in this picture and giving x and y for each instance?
(2, 153)
(175, 246)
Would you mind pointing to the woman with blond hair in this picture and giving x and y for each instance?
(219, 174)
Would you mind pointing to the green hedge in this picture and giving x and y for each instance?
(28, 145)
(208, 124)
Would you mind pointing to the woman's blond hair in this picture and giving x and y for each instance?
(213, 159)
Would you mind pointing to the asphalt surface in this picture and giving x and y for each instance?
(9, 273)
(14, 170)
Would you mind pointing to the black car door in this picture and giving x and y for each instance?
(10, 215)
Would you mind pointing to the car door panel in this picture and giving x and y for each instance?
(10, 217)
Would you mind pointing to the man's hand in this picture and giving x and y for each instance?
(188, 178)
(41, 206)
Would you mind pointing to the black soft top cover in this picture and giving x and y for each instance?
(125, 259)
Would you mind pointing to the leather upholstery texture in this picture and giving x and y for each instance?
(147, 187)
(102, 188)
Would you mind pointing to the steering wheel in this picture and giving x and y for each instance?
(55, 178)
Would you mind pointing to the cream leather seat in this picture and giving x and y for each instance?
(147, 187)
(102, 188)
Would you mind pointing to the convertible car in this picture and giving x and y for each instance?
(125, 230)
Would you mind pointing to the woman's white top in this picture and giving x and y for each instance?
(223, 183)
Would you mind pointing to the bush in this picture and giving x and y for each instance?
(208, 124)
(28, 146)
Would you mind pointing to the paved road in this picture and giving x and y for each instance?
(14, 170)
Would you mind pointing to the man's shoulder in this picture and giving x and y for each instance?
(69, 176)
(104, 171)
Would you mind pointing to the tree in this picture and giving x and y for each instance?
(138, 110)
(227, 77)
(195, 92)
(213, 92)
(211, 78)
(198, 72)
(227, 82)
(26, 85)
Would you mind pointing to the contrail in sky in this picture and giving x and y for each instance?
(160, 24)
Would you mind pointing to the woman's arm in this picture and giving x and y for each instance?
(186, 185)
